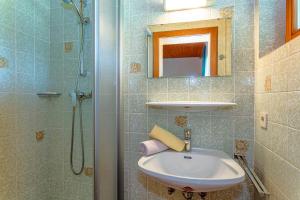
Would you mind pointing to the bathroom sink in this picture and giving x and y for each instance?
(201, 170)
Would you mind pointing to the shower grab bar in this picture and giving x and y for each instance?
(261, 189)
(48, 94)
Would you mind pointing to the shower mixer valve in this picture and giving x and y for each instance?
(84, 95)
(80, 96)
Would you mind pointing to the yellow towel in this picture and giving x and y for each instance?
(167, 138)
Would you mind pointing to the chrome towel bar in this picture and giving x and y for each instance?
(261, 189)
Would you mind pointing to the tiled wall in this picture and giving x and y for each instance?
(277, 148)
(31, 41)
(25, 45)
(65, 28)
(217, 130)
(271, 25)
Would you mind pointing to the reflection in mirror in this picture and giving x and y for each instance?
(186, 55)
(292, 19)
(192, 55)
(201, 48)
(272, 25)
(297, 14)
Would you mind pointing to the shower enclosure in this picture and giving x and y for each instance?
(58, 99)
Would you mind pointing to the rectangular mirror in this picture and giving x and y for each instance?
(200, 48)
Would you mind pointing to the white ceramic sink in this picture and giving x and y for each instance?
(201, 170)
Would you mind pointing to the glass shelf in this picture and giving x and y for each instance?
(191, 105)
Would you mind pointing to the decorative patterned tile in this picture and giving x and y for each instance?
(135, 68)
(40, 135)
(3, 62)
(241, 147)
(181, 121)
(268, 84)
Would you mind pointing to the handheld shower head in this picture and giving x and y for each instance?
(83, 19)
(67, 1)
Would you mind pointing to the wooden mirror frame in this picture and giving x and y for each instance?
(291, 32)
(213, 31)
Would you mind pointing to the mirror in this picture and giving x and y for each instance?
(190, 52)
(190, 49)
(272, 25)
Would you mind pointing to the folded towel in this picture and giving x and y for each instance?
(150, 147)
(167, 138)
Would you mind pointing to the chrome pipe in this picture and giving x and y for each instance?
(261, 189)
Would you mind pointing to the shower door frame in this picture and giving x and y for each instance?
(112, 10)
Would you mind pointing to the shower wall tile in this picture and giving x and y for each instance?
(42, 32)
(8, 104)
(7, 80)
(31, 40)
(217, 129)
(25, 6)
(69, 16)
(69, 67)
(8, 14)
(42, 49)
(56, 50)
(25, 23)
(64, 28)
(24, 62)
(25, 83)
(55, 4)
(57, 15)
(7, 39)
(24, 42)
(71, 31)
(57, 33)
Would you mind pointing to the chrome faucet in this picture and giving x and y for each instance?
(187, 139)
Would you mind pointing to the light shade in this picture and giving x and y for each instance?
(172, 5)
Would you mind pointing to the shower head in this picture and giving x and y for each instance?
(67, 1)
(83, 19)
